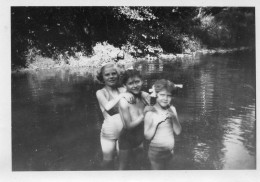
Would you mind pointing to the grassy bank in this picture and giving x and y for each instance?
(104, 53)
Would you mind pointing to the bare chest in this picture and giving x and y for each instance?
(136, 109)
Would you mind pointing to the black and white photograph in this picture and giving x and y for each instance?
(131, 89)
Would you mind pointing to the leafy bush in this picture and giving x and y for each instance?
(102, 53)
(31, 55)
(190, 44)
(214, 33)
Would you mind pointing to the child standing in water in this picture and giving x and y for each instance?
(132, 135)
(108, 98)
(160, 125)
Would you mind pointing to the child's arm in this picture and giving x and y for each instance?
(175, 121)
(146, 97)
(126, 117)
(107, 105)
(151, 122)
(149, 126)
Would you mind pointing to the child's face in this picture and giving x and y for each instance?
(164, 98)
(110, 76)
(134, 85)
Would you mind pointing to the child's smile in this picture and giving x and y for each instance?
(134, 85)
(164, 98)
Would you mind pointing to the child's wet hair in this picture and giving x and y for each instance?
(100, 72)
(130, 74)
(164, 84)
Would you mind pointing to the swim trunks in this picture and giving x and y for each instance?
(159, 154)
(131, 138)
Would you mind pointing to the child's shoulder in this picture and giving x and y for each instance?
(121, 89)
(149, 115)
(150, 110)
(123, 103)
(172, 108)
(145, 94)
(100, 91)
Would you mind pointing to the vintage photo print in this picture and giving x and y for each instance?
(133, 91)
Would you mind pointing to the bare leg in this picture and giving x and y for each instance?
(157, 165)
(117, 147)
(108, 149)
(123, 159)
(107, 165)
(116, 159)
(168, 163)
(139, 157)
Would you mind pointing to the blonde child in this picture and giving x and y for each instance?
(108, 98)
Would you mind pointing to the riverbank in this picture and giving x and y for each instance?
(105, 53)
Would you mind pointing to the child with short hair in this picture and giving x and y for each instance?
(132, 114)
(160, 124)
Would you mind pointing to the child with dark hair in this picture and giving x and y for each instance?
(160, 124)
(132, 135)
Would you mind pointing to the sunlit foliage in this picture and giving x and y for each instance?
(63, 31)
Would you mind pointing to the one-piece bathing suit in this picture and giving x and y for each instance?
(112, 125)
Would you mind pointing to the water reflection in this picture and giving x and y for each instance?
(56, 119)
(214, 91)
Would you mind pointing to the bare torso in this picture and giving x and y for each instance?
(136, 109)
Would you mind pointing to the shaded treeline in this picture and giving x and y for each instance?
(54, 31)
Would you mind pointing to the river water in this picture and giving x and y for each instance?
(56, 119)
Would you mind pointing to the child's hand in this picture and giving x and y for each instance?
(170, 115)
(146, 97)
(165, 116)
(129, 97)
(172, 112)
(149, 108)
(141, 117)
(160, 118)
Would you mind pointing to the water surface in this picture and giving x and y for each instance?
(56, 119)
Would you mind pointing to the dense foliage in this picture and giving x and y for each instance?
(63, 31)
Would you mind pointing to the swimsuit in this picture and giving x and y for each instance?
(159, 154)
(131, 138)
(112, 124)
